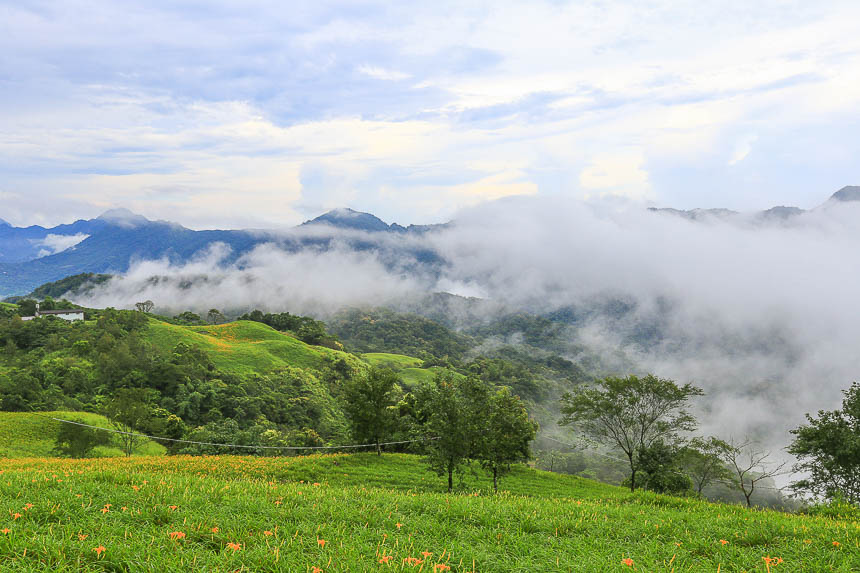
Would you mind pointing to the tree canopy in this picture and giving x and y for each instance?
(631, 413)
(828, 450)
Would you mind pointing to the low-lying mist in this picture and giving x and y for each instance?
(763, 316)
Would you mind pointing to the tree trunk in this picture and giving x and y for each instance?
(632, 473)
(495, 480)
(378, 449)
(450, 479)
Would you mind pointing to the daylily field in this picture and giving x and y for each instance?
(364, 513)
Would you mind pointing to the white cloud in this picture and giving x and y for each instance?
(379, 73)
(53, 244)
(742, 149)
(617, 174)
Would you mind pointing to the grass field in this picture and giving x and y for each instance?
(8, 306)
(408, 368)
(23, 434)
(364, 513)
(393, 361)
(244, 347)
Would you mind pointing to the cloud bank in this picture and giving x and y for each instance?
(762, 316)
(259, 114)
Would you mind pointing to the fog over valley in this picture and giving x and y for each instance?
(760, 313)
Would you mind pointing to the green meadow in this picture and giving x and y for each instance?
(360, 512)
(243, 346)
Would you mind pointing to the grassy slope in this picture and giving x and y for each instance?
(365, 508)
(8, 306)
(244, 347)
(407, 367)
(23, 434)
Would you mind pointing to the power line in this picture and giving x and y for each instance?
(176, 440)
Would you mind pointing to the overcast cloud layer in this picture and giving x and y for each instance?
(260, 114)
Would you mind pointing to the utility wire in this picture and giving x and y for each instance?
(176, 440)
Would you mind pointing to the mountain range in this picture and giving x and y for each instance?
(110, 243)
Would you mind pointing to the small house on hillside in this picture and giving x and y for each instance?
(66, 314)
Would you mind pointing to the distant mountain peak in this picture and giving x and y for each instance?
(346, 218)
(123, 217)
(848, 193)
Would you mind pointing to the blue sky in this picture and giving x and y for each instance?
(263, 114)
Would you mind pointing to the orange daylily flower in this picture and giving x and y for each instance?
(214, 530)
(427, 553)
(177, 535)
(82, 536)
(628, 562)
(99, 550)
(316, 570)
(267, 533)
(234, 546)
(399, 525)
(172, 507)
(441, 567)
(17, 515)
(6, 530)
(723, 541)
(385, 559)
(321, 542)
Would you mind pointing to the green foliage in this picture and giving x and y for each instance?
(27, 307)
(79, 441)
(631, 413)
(80, 283)
(506, 436)
(383, 330)
(305, 328)
(659, 464)
(369, 400)
(828, 450)
(702, 459)
(130, 411)
(446, 423)
(188, 318)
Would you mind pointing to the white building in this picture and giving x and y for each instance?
(70, 315)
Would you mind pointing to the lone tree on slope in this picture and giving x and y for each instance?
(631, 413)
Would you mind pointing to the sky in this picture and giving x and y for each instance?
(264, 114)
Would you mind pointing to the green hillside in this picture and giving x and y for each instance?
(29, 435)
(408, 368)
(244, 346)
(365, 513)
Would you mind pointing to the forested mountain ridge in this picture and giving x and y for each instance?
(30, 256)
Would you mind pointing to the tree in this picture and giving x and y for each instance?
(828, 450)
(215, 317)
(130, 412)
(702, 460)
(659, 464)
(145, 306)
(448, 427)
(370, 400)
(631, 413)
(509, 431)
(749, 464)
(78, 441)
(27, 307)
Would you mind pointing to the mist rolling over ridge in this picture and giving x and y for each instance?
(762, 316)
